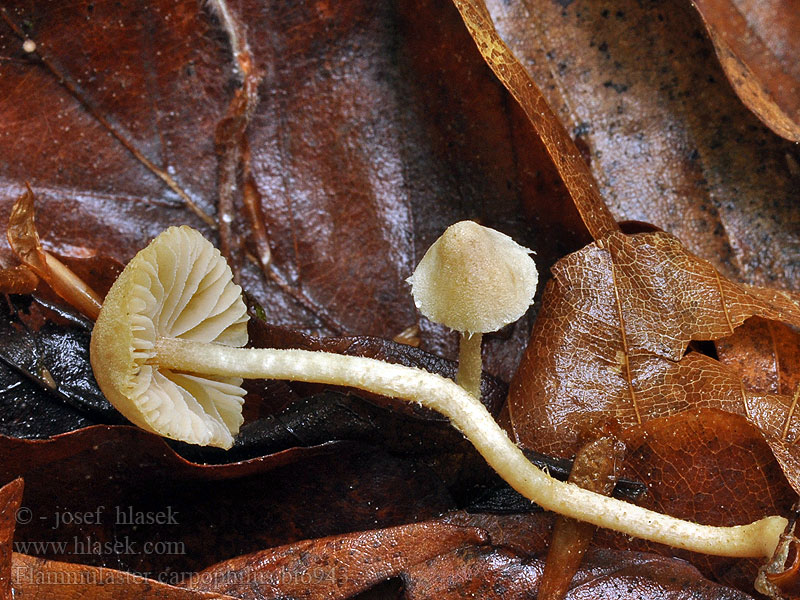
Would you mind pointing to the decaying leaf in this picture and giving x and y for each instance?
(336, 567)
(766, 354)
(709, 466)
(37, 578)
(609, 345)
(18, 280)
(610, 339)
(10, 500)
(669, 143)
(596, 467)
(756, 43)
(343, 191)
(500, 574)
(351, 189)
(24, 241)
(297, 494)
(46, 381)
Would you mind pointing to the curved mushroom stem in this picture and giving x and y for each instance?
(468, 415)
(470, 363)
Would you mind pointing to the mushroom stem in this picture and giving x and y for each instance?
(469, 363)
(468, 415)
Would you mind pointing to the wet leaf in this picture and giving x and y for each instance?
(596, 467)
(499, 574)
(24, 241)
(47, 382)
(511, 567)
(351, 190)
(38, 578)
(765, 353)
(473, 556)
(757, 46)
(375, 126)
(609, 341)
(640, 89)
(10, 499)
(709, 466)
(18, 280)
(114, 474)
(335, 567)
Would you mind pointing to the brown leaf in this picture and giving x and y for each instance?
(609, 344)
(756, 43)
(436, 560)
(335, 567)
(352, 189)
(639, 86)
(378, 125)
(10, 499)
(18, 280)
(615, 322)
(37, 578)
(765, 353)
(111, 472)
(596, 467)
(24, 241)
(711, 467)
(498, 573)
(570, 164)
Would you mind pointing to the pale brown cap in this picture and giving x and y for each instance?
(180, 287)
(474, 279)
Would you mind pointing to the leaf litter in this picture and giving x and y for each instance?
(770, 412)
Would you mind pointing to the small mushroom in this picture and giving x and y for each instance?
(177, 287)
(474, 280)
(166, 352)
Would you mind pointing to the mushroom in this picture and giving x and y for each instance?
(177, 287)
(166, 351)
(474, 280)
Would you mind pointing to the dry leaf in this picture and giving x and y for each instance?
(24, 241)
(609, 340)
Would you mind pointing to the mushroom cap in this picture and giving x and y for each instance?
(179, 286)
(474, 279)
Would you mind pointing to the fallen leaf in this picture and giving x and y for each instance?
(39, 578)
(609, 345)
(10, 499)
(756, 46)
(711, 467)
(571, 167)
(47, 382)
(639, 87)
(498, 573)
(352, 190)
(116, 131)
(18, 280)
(596, 467)
(24, 576)
(475, 555)
(765, 353)
(24, 241)
(297, 494)
(610, 338)
(335, 567)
